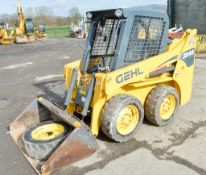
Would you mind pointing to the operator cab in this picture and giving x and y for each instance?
(121, 37)
(3, 26)
(29, 26)
(42, 28)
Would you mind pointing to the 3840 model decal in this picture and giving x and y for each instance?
(188, 57)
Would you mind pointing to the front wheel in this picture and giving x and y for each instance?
(122, 116)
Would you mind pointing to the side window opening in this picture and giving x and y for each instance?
(145, 39)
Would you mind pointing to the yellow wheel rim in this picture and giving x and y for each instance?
(127, 120)
(47, 132)
(167, 107)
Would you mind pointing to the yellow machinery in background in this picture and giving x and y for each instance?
(40, 32)
(129, 70)
(201, 43)
(24, 32)
(6, 37)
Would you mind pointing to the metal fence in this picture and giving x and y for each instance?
(58, 32)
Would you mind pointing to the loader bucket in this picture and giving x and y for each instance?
(78, 144)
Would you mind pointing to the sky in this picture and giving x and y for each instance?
(61, 7)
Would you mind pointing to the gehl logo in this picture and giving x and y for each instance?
(128, 75)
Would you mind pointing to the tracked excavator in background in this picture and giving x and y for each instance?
(6, 36)
(129, 70)
(24, 32)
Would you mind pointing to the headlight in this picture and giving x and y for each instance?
(89, 15)
(118, 13)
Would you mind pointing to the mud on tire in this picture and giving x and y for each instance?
(153, 103)
(110, 114)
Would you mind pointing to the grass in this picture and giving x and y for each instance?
(58, 32)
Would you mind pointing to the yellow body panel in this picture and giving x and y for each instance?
(68, 70)
(122, 80)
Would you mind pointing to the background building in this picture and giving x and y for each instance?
(189, 13)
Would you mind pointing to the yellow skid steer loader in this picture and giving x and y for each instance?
(130, 69)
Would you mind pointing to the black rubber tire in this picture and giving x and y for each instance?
(153, 102)
(110, 115)
(41, 150)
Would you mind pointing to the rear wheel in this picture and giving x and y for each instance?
(121, 117)
(161, 105)
(41, 140)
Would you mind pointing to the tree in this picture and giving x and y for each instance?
(44, 11)
(40, 15)
(4, 17)
(10, 19)
(44, 15)
(29, 13)
(13, 19)
(74, 16)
